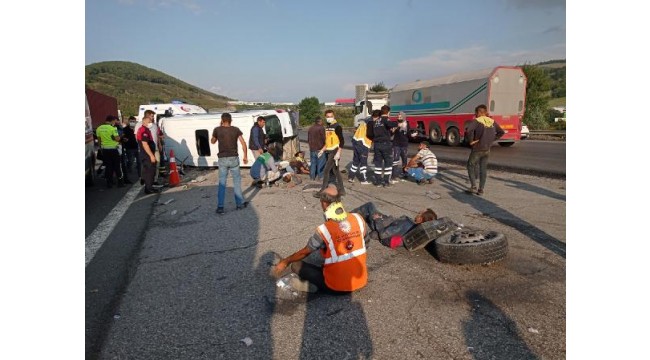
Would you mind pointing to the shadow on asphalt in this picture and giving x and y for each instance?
(335, 325)
(490, 333)
(488, 208)
(532, 188)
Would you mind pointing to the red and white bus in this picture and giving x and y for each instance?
(439, 109)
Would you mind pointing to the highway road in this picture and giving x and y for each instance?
(535, 157)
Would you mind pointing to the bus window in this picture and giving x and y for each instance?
(202, 142)
(491, 105)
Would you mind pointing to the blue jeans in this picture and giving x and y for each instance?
(418, 174)
(226, 165)
(316, 166)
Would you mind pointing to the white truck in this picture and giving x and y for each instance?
(366, 101)
(189, 135)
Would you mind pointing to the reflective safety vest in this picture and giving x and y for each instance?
(331, 139)
(360, 135)
(345, 253)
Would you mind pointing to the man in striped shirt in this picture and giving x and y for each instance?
(423, 166)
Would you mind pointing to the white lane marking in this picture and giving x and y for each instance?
(95, 240)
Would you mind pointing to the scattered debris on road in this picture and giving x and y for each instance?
(247, 341)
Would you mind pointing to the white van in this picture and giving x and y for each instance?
(189, 136)
(175, 108)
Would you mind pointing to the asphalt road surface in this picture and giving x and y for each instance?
(174, 280)
(545, 158)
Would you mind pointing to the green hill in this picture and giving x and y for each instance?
(133, 84)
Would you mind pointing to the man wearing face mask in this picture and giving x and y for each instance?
(147, 150)
(342, 242)
(131, 146)
(333, 145)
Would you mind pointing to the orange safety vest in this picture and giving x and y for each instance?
(361, 135)
(345, 253)
(331, 139)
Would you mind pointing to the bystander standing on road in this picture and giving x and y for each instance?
(147, 151)
(131, 147)
(121, 149)
(226, 136)
(380, 132)
(342, 242)
(109, 139)
(316, 140)
(257, 139)
(400, 148)
(481, 132)
(361, 145)
(334, 142)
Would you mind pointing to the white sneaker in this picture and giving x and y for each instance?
(364, 183)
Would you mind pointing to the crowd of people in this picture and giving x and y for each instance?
(342, 238)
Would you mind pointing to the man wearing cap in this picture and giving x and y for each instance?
(342, 242)
(316, 140)
(109, 139)
(423, 166)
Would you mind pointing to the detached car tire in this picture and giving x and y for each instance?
(469, 246)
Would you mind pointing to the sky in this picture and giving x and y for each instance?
(284, 51)
(607, 274)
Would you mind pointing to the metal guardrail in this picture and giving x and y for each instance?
(548, 132)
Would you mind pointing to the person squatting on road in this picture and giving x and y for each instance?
(109, 139)
(423, 166)
(264, 169)
(333, 146)
(227, 136)
(380, 132)
(385, 227)
(257, 140)
(342, 242)
(316, 140)
(400, 148)
(361, 146)
(147, 151)
(481, 132)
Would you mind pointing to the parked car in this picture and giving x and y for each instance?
(524, 132)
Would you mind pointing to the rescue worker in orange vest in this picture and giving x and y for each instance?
(342, 242)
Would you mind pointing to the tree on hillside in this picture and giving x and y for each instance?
(309, 108)
(379, 87)
(537, 95)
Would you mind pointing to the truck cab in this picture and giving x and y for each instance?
(363, 108)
